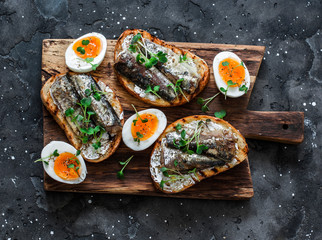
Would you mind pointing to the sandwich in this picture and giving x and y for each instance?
(156, 72)
(192, 149)
(88, 111)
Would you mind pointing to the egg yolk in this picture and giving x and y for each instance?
(146, 128)
(89, 47)
(67, 166)
(230, 69)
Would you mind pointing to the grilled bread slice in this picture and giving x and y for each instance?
(180, 64)
(167, 176)
(110, 146)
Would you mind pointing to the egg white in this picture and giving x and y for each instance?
(232, 92)
(62, 147)
(127, 135)
(74, 63)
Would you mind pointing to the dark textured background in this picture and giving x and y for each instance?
(287, 179)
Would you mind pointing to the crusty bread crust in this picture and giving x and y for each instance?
(203, 70)
(202, 174)
(61, 120)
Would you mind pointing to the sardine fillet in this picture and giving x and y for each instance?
(105, 114)
(137, 73)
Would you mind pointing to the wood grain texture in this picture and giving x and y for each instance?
(233, 184)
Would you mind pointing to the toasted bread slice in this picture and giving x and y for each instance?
(202, 67)
(189, 179)
(60, 118)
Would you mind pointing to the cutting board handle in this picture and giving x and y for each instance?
(283, 127)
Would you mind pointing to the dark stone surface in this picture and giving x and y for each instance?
(287, 179)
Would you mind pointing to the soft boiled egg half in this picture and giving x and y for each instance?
(67, 167)
(86, 53)
(142, 129)
(230, 70)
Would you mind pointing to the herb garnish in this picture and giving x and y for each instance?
(221, 114)
(177, 88)
(71, 165)
(174, 177)
(183, 143)
(183, 58)
(120, 174)
(85, 42)
(154, 90)
(178, 127)
(86, 131)
(93, 91)
(138, 117)
(229, 83)
(138, 137)
(90, 60)
(148, 58)
(243, 88)
(205, 102)
(226, 64)
(175, 163)
(81, 50)
(54, 154)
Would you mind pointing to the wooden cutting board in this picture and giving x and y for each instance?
(286, 127)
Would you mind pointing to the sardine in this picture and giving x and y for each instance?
(180, 161)
(127, 66)
(105, 113)
(221, 146)
(173, 69)
(65, 97)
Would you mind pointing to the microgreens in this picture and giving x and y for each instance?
(205, 102)
(73, 166)
(86, 131)
(177, 88)
(136, 44)
(136, 38)
(154, 90)
(243, 89)
(226, 64)
(69, 112)
(100, 130)
(138, 137)
(221, 114)
(54, 154)
(178, 127)
(120, 174)
(174, 177)
(183, 58)
(229, 83)
(183, 143)
(90, 60)
(194, 172)
(138, 117)
(96, 93)
(78, 152)
(85, 42)
(175, 163)
(81, 50)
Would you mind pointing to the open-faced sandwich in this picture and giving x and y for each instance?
(156, 72)
(88, 111)
(194, 148)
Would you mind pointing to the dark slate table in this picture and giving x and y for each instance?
(287, 178)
